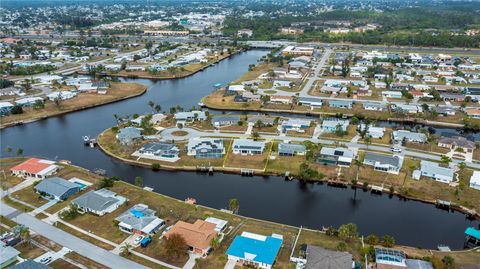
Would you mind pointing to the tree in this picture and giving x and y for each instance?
(39, 104)
(448, 262)
(58, 102)
(215, 243)
(157, 108)
(16, 109)
(175, 246)
(151, 104)
(25, 234)
(234, 205)
(8, 149)
(138, 181)
(354, 120)
(372, 239)
(125, 249)
(19, 152)
(348, 231)
(445, 159)
(342, 246)
(388, 241)
(155, 166)
(255, 135)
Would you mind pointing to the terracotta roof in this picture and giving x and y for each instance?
(472, 111)
(33, 166)
(197, 235)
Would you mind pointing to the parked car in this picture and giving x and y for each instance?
(46, 260)
(398, 150)
(166, 230)
(138, 239)
(144, 243)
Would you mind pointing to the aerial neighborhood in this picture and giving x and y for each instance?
(240, 134)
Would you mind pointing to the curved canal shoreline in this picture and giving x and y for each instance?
(75, 109)
(230, 170)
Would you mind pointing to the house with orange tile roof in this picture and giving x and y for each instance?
(35, 168)
(198, 235)
(473, 112)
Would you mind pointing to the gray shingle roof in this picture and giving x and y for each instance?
(29, 264)
(383, 159)
(94, 201)
(318, 257)
(139, 216)
(55, 186)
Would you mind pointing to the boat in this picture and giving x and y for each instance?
(191, 201)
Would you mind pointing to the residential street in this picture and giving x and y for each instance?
(75, 244)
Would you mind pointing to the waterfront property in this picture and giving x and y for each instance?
(161, 151)
(335, 156)
(5, 108)
(392, 94)
(403, 135)
(220, 224)
(390, 258)
(457, 143)
(139, 220)
(248, 147)
(472, 237)
(57, 188)
(255, 250)
(310, 101)
(185, 117)
(372, 131)
(198, 235)
(318, 257)
(297, 125)
(436, 172)
(99, 202)
(331, 126)
(218, 121)
(36, 168)
(383, 163)
(287, 149)
(373, 106)
(266, 120)
(129, 135)
(340, 104)
(205, 147)
(475, 180)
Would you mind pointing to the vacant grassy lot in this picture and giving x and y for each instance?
(62, 264)
(85, 261)
(83, 100)
(29, 250)
(281, 164)
(29, 196)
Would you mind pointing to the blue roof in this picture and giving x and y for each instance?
(262, 251)
(473, 232)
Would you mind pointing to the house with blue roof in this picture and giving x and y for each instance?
(127, 136)
(254, 249)
(340, 104)
(472, 237)
(330, 126)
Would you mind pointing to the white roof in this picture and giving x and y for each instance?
(220, 223)
(236, 88)
(5, 104)
(475, 179)
(254, 236)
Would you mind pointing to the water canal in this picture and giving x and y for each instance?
(270, 198)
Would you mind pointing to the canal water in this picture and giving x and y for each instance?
(269, 198)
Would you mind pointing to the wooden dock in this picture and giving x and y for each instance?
(247, 172)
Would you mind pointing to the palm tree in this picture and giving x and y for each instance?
(125, 249)
(157, 108)
(25, 234)
(151, 104)
(234, 205)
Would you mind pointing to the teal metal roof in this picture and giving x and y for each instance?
(470, 231)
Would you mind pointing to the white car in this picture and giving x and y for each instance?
(138, 239)
(46, 260)
(398, 150)
(166, 231)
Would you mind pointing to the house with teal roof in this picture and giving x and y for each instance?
(255, 250)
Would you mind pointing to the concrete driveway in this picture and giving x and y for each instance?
(54, 255)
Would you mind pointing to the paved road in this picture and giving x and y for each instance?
(166, 135)
(316, 73)
(76, 244)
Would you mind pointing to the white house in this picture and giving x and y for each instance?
(248, 147)
(436, 172)
(475, 180)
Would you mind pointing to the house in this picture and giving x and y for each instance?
(384, 163)
(373, 106)
(99, 202)
(297, 125)
(331, 126)
(444, 110)
(57, 188)
(225, 120)
(248, 147)
(475, 180)
(282, 83)
(249, 96)
(256, 250)
(36, 168)
(129, 135)
(407, 108)
(281, 99)
(156, 119)
(287, 149)
(5, 108)
(436, 172)
(340, 104)
(473, 112)
(245, 33)
(310, 101)
(220, 224)
(63, 95)
(205, 147)
(297, 51)
(335, 156)
(266, 120)
(184, 117)
(30, 264)
(392, 94)
(161, 151)
(387, 258)
(403, 135)
(372, 131)
(8, 255)
(139, 220)
(318, 257)
(456, 143)
(198, 235)
(29, 101)
(418, 264)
